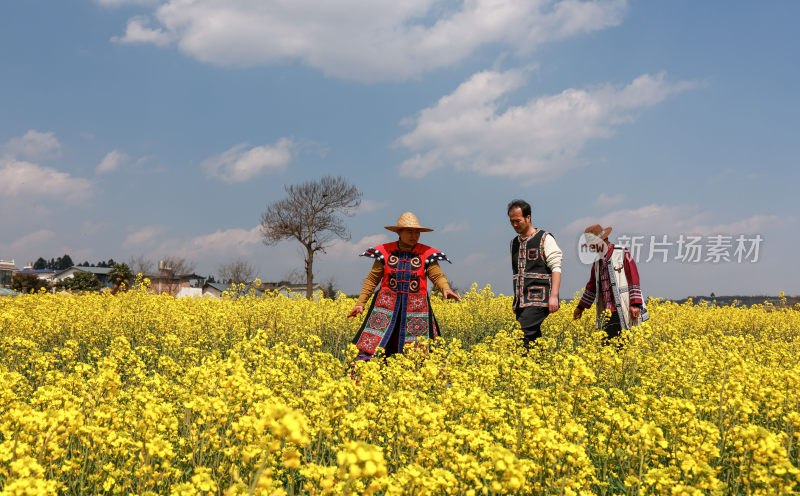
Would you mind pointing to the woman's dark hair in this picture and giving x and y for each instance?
(522, 205)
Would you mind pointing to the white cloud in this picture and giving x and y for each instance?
(751, 225)
(348, 250)
(144, 159)
(33, 241)
(368, 206)
(90, 227)
(34, 146)
(146, 236)
(461, 226)
(537, 141)
(137, 32)
(670, 220)
(24, 178)
(243, 162)
(366, 40)
(206, 250)
(649, 219)
(20, 176)
(476, 259)
(608, 201)
(219, 244)
(112, 161)
(117, 3)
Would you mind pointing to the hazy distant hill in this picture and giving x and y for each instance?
(741, 300)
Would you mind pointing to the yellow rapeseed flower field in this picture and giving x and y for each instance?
(145, 394)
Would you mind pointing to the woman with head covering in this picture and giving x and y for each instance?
(613, 284)
(400, 312)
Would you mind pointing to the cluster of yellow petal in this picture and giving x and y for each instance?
(145, 394)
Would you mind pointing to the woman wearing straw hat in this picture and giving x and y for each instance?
(401, 311)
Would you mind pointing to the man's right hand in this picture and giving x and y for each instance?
(577, 313)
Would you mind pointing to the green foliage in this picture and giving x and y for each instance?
(25, 283)
(63, 263)
(121, 277)
(330, 289)
(81, 281)
(60, 263)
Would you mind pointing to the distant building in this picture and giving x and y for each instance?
(215, 290)
(190, 291)
(43, 274)
(102, 274)
(166, 281)
(285, 287)
(7, 270)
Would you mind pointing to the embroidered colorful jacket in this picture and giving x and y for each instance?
(402, 300)
(614, 283)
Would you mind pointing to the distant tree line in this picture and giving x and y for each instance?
(65, 262)
(110, 263)
(60, 263)
(120, 276)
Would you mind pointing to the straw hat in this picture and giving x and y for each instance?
(598, 231)
(408, 221)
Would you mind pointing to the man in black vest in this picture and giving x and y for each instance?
(536, 264)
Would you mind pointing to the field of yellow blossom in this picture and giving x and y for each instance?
(137, 393)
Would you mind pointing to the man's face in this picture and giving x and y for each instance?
(520, 224)
(409, 236)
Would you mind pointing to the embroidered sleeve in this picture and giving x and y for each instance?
(437, 276)
(435, 257)
(632, 274)
(589, 293)
(372, 253)
(370, 283)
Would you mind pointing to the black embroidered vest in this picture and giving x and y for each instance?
(531, 274)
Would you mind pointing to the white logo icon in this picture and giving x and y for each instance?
(586, 254)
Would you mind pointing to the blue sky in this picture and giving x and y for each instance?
(152, 128)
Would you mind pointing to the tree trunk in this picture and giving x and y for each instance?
(309, 273)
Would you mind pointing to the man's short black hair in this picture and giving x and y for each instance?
(522, 205)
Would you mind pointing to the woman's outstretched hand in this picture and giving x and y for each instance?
(356, 310)
(449, 293)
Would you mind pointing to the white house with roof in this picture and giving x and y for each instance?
(215, 290)
(43, 274)
(100, 272)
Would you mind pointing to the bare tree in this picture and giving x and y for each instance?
(141, 265)
(309, 214)
(294, 276)
(172, 270)
(237, 271)
(178, 265)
